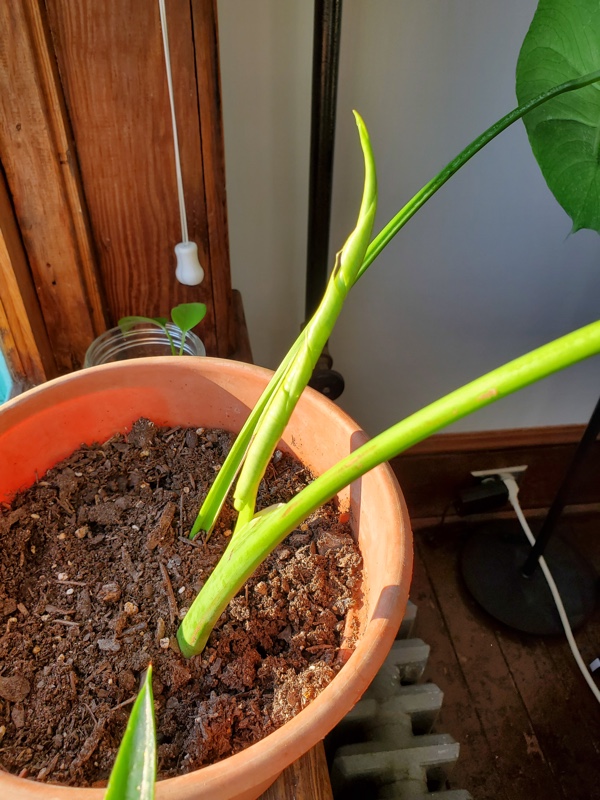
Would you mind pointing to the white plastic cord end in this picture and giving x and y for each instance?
(189, 272)
(512, 486)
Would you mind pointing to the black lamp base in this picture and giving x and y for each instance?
(492, 563)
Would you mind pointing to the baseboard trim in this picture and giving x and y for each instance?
(498, 440)
(570, 511)
(433, 472)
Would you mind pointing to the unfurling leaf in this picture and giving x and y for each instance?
(134, 772)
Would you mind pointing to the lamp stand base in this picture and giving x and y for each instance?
(492, 563)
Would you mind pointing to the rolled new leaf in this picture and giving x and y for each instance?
(213, 503)
(134, 772)
(313, 339)
(216, 497)
(259, 437)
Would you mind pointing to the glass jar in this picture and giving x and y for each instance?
(142, 340)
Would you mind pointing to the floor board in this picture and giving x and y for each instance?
(528, 725)
(459, 715)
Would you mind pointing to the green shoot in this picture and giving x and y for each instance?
(256, 535)
(185, 316)
(312, 341)
(211, 508)
(258, 439)
(258, 538)
(134, 772)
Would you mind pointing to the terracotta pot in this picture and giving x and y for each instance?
(44, 425)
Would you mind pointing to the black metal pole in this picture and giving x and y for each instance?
(326, 51)
(589, 437)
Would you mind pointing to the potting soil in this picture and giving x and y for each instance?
(96, 572)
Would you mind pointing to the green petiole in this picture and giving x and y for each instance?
(385, 236)
(256, 536)
(265, 531)
(217, 493)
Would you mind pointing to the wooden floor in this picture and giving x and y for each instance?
(527, 723)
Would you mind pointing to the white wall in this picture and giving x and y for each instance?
(485, 272)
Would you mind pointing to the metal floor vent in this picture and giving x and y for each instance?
(384, 747)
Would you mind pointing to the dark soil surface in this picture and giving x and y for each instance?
(95, 575)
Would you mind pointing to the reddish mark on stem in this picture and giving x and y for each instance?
(489, 394)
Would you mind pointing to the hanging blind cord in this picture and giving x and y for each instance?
(165, 35)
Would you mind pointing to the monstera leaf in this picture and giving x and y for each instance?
(562, 43)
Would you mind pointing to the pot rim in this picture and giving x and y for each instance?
(298, 735)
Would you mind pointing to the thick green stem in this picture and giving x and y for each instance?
(385, 236)
(257, 539)
(283, 401)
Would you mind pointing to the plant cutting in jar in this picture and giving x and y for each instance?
(256, 535)
(185, 316)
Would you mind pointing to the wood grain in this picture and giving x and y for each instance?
(112, 66)
(41, 172)
(504, 439)
(539, 724)
(516, 751)
(541, 677)
(458, 715)
(306, 779)
(23, 334)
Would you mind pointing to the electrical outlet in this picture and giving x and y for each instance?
(489, 493)
(514, 472)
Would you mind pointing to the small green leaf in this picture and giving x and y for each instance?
(134, 772)
(563, 43)
(187, 315)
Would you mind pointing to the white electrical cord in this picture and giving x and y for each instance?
(513, 496)
(189, 271)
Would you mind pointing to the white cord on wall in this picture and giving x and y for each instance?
(189, 271)
(513, 496)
